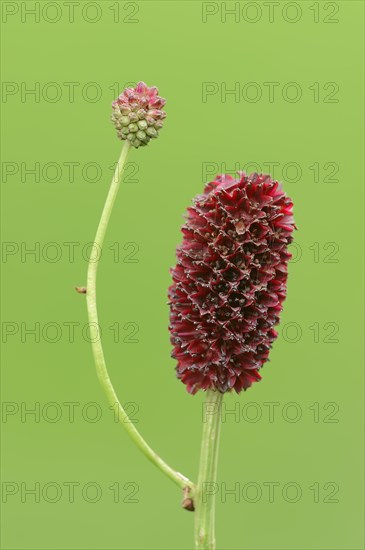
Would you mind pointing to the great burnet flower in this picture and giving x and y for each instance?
(230, 282)
(138, 115)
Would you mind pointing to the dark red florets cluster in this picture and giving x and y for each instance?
(230, 282)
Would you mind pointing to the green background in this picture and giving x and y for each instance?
(170, 46)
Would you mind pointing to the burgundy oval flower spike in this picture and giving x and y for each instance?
(230, 282)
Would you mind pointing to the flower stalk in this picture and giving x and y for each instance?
(205, 491)
(97, 348)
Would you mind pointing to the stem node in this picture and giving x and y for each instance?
(188, 502)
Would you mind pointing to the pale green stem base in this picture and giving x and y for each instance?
(207, 486)
(97, 348)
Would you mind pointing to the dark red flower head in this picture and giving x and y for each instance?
(230, 282)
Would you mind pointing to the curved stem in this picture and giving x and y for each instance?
(97, 348)
(207, 486)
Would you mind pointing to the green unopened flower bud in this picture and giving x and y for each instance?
(151, 132)
(133, 128)
(133, 117)
(141, 135)
(142, 124)
(141, 114)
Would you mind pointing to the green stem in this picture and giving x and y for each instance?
(97, 348)
(206, 487)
